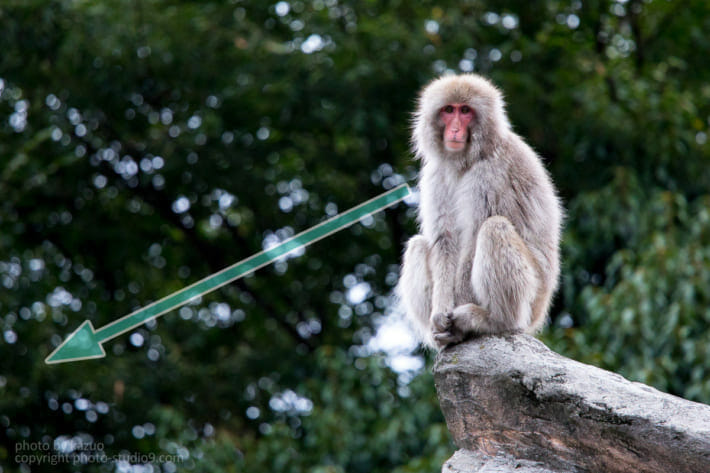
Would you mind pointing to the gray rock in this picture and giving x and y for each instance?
(514, 405)
(465, 461)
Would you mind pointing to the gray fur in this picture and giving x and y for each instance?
(487, 258)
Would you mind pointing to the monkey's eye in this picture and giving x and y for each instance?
(449, 109)
(465, 109)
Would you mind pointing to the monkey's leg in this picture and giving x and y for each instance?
(505, 282)
(414, 288)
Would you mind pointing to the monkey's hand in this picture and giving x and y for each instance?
(455, 326)
(446, 331)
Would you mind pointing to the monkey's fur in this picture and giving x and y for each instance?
(487, 258)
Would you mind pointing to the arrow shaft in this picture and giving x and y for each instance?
(250, 264)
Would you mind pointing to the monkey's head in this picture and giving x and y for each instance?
(459, 119)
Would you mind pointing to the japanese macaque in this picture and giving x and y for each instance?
(487, 258)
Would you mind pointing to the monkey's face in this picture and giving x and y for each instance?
(456, 119)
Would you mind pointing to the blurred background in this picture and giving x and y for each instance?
(145, 144)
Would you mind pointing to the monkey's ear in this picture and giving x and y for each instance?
(427, 128)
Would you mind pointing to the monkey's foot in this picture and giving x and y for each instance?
(446, 331)
(455, 326)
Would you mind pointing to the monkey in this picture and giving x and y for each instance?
(486, 260)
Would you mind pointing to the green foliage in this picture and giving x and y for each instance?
(144, 145)
(649, 318)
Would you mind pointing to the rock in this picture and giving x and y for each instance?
(513, 405)
(466, 461)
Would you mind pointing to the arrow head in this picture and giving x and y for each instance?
(82, 344)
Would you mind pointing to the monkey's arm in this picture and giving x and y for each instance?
(443, 270)
(439, 229)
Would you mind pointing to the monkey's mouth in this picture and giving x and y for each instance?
(454, 145)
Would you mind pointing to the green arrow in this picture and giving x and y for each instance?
(85, 342)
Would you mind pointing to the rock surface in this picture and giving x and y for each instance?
(513, 405)
(465, 461)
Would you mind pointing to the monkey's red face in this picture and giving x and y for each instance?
(456, 118)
